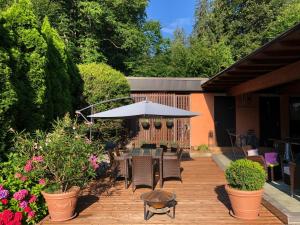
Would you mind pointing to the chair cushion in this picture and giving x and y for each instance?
(252, 152)
(286, 170)
(271, 158)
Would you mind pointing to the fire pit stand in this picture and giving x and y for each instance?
(159, 202)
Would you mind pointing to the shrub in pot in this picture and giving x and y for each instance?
(70, 162)
(245, 179)
(145, 124)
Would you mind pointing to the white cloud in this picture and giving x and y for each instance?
(177, 23)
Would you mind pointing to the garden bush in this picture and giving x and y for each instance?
(203, 148)
(101, 82)
(245, 175)
(53, 161)
(20, 190)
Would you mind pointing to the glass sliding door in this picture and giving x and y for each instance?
(295, 117)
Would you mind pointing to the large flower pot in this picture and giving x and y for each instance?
(245, 204)
(62, 206)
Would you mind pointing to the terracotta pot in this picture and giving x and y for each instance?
(245, 204)
(62, 206)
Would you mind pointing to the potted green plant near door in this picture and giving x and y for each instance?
(69, 164)
(245, 188)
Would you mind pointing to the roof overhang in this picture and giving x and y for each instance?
(276, 54)
(165, 84)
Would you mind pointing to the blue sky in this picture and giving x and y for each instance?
(172, 14)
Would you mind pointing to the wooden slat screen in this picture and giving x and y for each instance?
(178, 134)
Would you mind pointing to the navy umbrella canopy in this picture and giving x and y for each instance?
(144, 109)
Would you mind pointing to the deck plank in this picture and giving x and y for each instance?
(201, 200)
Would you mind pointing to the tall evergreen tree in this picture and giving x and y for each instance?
(287, 18)
(7, 93)
(28, 51)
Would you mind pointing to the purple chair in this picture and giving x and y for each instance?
(271, 162)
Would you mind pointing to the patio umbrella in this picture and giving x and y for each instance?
(144, 109)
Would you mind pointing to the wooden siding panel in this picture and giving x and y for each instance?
(178, 133)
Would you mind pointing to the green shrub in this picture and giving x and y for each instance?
(245, 175)
(102, 82)
(203, 148)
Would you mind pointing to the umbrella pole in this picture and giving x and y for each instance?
(91, 122)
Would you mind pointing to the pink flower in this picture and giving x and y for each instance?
(42, 181)
(28, 166)
(93, 160)
(31, 214)
(38, 158)
(18, 175)
(1, 187)
(20, 195)
(23, 178)
(32, 199)
(23, 204)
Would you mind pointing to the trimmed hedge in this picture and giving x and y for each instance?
(102, 82)
(245, 175)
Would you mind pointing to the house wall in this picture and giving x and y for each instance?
(203, 125)
(247, 113)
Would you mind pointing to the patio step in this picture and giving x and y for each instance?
(286, 208)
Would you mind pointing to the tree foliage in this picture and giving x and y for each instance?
(38, 81)
(99, 31)
(287, 18)
(241, 22)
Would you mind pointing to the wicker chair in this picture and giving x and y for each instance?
(142, 171)
(171, 165)
(119, 167)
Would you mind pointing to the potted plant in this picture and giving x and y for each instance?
(145, 124)
(169, 123)
(69, 164)
(157, 123)
(245, 188)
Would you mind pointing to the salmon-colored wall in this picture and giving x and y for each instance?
(247, 113)
(202, 103)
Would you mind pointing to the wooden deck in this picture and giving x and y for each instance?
(201, 200)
